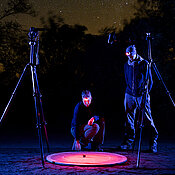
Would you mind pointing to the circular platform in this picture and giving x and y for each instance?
(85, 158)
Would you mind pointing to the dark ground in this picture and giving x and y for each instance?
(19, 147)
(21, 155)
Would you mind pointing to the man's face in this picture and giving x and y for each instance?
(131, 55)
(87, 101)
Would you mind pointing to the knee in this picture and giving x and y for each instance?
(96, 127)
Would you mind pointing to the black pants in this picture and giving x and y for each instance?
(133, 109)
(94, 133)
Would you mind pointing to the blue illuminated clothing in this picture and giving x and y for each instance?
(135, 76)
(80, 128)
(82, 115)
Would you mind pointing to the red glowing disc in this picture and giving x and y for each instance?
(85, 158)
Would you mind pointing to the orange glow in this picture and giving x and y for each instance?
(85, 158)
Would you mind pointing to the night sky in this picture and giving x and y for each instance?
(94, 14)
(103, 76)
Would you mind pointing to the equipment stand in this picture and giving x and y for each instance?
(155, 67)
(34, 61)
(148, 35)
(142, 117)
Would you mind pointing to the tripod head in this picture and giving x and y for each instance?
(34, 45)
(148, 38)
(33, 33)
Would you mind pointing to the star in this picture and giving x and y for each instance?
(84, 12)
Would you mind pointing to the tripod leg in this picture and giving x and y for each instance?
(136, 131)
(36, 99)
(161, 79)
(40, 140)
(139, 148)
(43, 122)
(137, 125)
(141, 127)
(13, 94)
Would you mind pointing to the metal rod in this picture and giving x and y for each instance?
(36, 100)
(13, 94)
(144, 94)
(41, 111)
(139, 148)
(156, 69)
(36, 92)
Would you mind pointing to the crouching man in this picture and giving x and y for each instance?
(87, 129)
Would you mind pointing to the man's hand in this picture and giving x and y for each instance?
(77, 145)
(91, 121)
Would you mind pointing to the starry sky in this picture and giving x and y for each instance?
(94, 14)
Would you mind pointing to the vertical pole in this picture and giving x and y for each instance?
(141, 128)
(38, 119)
(144, 99)
(36, 93)
(139, 148)
(42, 119)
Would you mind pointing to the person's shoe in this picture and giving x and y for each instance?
(96, 147)
(126, 146)
(99, 148)
(86, 147)
(153, 148)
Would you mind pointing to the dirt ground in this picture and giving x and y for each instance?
(17, 158)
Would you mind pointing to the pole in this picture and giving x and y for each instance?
(156, 69)
(14, 93)
(36, 92)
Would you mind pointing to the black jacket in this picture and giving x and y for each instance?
(135, 76)
(81, 116)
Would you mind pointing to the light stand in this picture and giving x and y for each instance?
(155, 67)
(34, 61)
(148, 37)
(144, 96)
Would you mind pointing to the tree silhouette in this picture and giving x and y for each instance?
(159, 17)
(16, 7)
(14, 50)
(71, 60)
(61, 43)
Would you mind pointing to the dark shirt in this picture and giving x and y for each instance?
(135, 76)
(81, 116)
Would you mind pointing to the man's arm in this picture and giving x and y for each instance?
(75, 123)
(75, 127)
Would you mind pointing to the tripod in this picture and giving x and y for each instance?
(144, 96)
(148, 35)
(34, 61)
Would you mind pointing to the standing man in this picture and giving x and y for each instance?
(87, 129)
(138, 81)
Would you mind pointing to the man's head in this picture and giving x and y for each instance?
(86, 98)
(131, 52)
